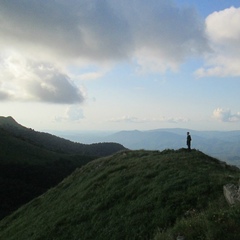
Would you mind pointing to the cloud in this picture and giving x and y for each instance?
(50, 36)
(226, 115)
(25, 80)
(91, 75)
(223, 31)
(175, 120)
(103, 30)
(129, 119)
(72, 113)
(223, 26)
(4, 96)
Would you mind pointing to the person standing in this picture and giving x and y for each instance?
(189, 139)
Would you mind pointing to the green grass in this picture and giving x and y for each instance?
(133, 195)
(216, 223)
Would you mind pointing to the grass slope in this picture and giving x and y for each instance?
(133, 195)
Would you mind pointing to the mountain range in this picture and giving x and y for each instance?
(224, 145)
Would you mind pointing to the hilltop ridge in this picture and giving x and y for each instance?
(133, 195)
(8, 121)
(220, 144)
(58, 144)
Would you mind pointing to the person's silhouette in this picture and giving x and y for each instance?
(189, 139)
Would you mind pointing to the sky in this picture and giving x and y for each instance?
(86, 65)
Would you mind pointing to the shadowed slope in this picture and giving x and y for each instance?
(31, 162)
(57, 144)
(27, 170)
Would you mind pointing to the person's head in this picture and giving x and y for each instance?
(187, 133)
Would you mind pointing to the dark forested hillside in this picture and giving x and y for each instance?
(32, 162)
(134, 195)
(27, 170)
(57, 144)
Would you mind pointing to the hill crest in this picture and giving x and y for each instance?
(130, 195)
(58, 144)
(9, 121)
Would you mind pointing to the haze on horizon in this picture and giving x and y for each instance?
(120, 65)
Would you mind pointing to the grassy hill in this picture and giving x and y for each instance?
(32, 162)
(134, 195)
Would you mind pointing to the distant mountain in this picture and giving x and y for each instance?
(224, 145)
(57, 144)
(32, 162)
(134, 195)
(149, 140)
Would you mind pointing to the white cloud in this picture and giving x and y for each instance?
(91, 75)
(175, 120)
(226, 115)
(223, 30)
(27, 80)
(129, 119)
(72, 113)
(223, 26)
